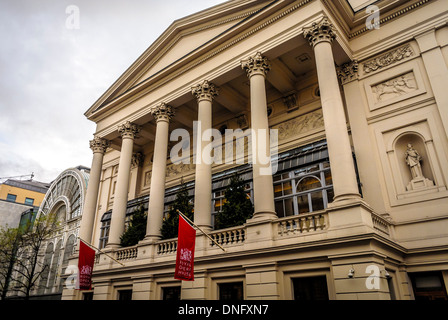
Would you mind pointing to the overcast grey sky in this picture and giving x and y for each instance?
(50, 73)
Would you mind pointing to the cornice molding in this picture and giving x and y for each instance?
(390, 17)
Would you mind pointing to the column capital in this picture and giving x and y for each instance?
(99, 145)
(162, 112)
(319, 31)
(205, 90)
(257, 64)
(129, 130)
(348, 72)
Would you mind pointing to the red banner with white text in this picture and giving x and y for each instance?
(85, 266)
(186, 240)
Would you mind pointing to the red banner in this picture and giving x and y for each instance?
(85, 266)
(186, 240)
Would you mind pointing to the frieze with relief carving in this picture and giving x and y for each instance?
(302, 124)
(394, 87)
(388, 58)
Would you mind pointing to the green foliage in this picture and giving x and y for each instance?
(171, 221)
(136, 230)
(237, 208)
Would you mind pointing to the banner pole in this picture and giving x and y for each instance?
(90, 245)
(213, 240)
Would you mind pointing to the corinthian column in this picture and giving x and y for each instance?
(98, 146)
(256, 68)
(163, 114)
(128, 133)
(320, 36)
(204, 93)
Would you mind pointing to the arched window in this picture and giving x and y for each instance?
(46, 268)
(54, 265)
(68, 251)
(305, 184)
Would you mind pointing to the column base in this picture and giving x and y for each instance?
(345, 199)
(111, 247)
(263, 215)
(148, 239)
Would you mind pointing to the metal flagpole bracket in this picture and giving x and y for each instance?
(191, 222)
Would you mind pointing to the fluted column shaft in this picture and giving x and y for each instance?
(98, 146)
(204, 93)
(128, 133)
(320, 35)
(163, 115)
(256, 68)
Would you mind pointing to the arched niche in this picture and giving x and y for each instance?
(415, 141)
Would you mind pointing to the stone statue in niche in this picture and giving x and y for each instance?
(413, 159)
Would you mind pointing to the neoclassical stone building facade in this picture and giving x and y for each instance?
(355, 202)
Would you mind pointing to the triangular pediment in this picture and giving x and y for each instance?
(184, 37)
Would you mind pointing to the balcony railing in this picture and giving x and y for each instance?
(380, 224)
(237, 237)
(302, 224)
(128, 253)
(168, 246)
(229, 236)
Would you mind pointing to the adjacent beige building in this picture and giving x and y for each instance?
(356, 206)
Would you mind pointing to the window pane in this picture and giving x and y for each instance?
(11, 197)
(171, 293)
(308, 183)
(289, 207)
(328, 179)
(231, 291)
(303, 203)
(29, 201)
(278, 190)
(287, 188)
(312, 288)
(125, 295)
(279, 208)
(317, 201)
(330, 195)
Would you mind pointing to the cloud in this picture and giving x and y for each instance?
(50, 74)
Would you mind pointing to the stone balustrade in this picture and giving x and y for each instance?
(302, 224)
(168, 246)
(380, 224)
(128, 253)
(239, 239)
(229, 236)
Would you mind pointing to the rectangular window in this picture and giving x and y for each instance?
(171, 293)
(87, 296)
(11, 197)
(29, 201)
(125, 294)
(428, 286)
(231, 291)
(310, 288)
